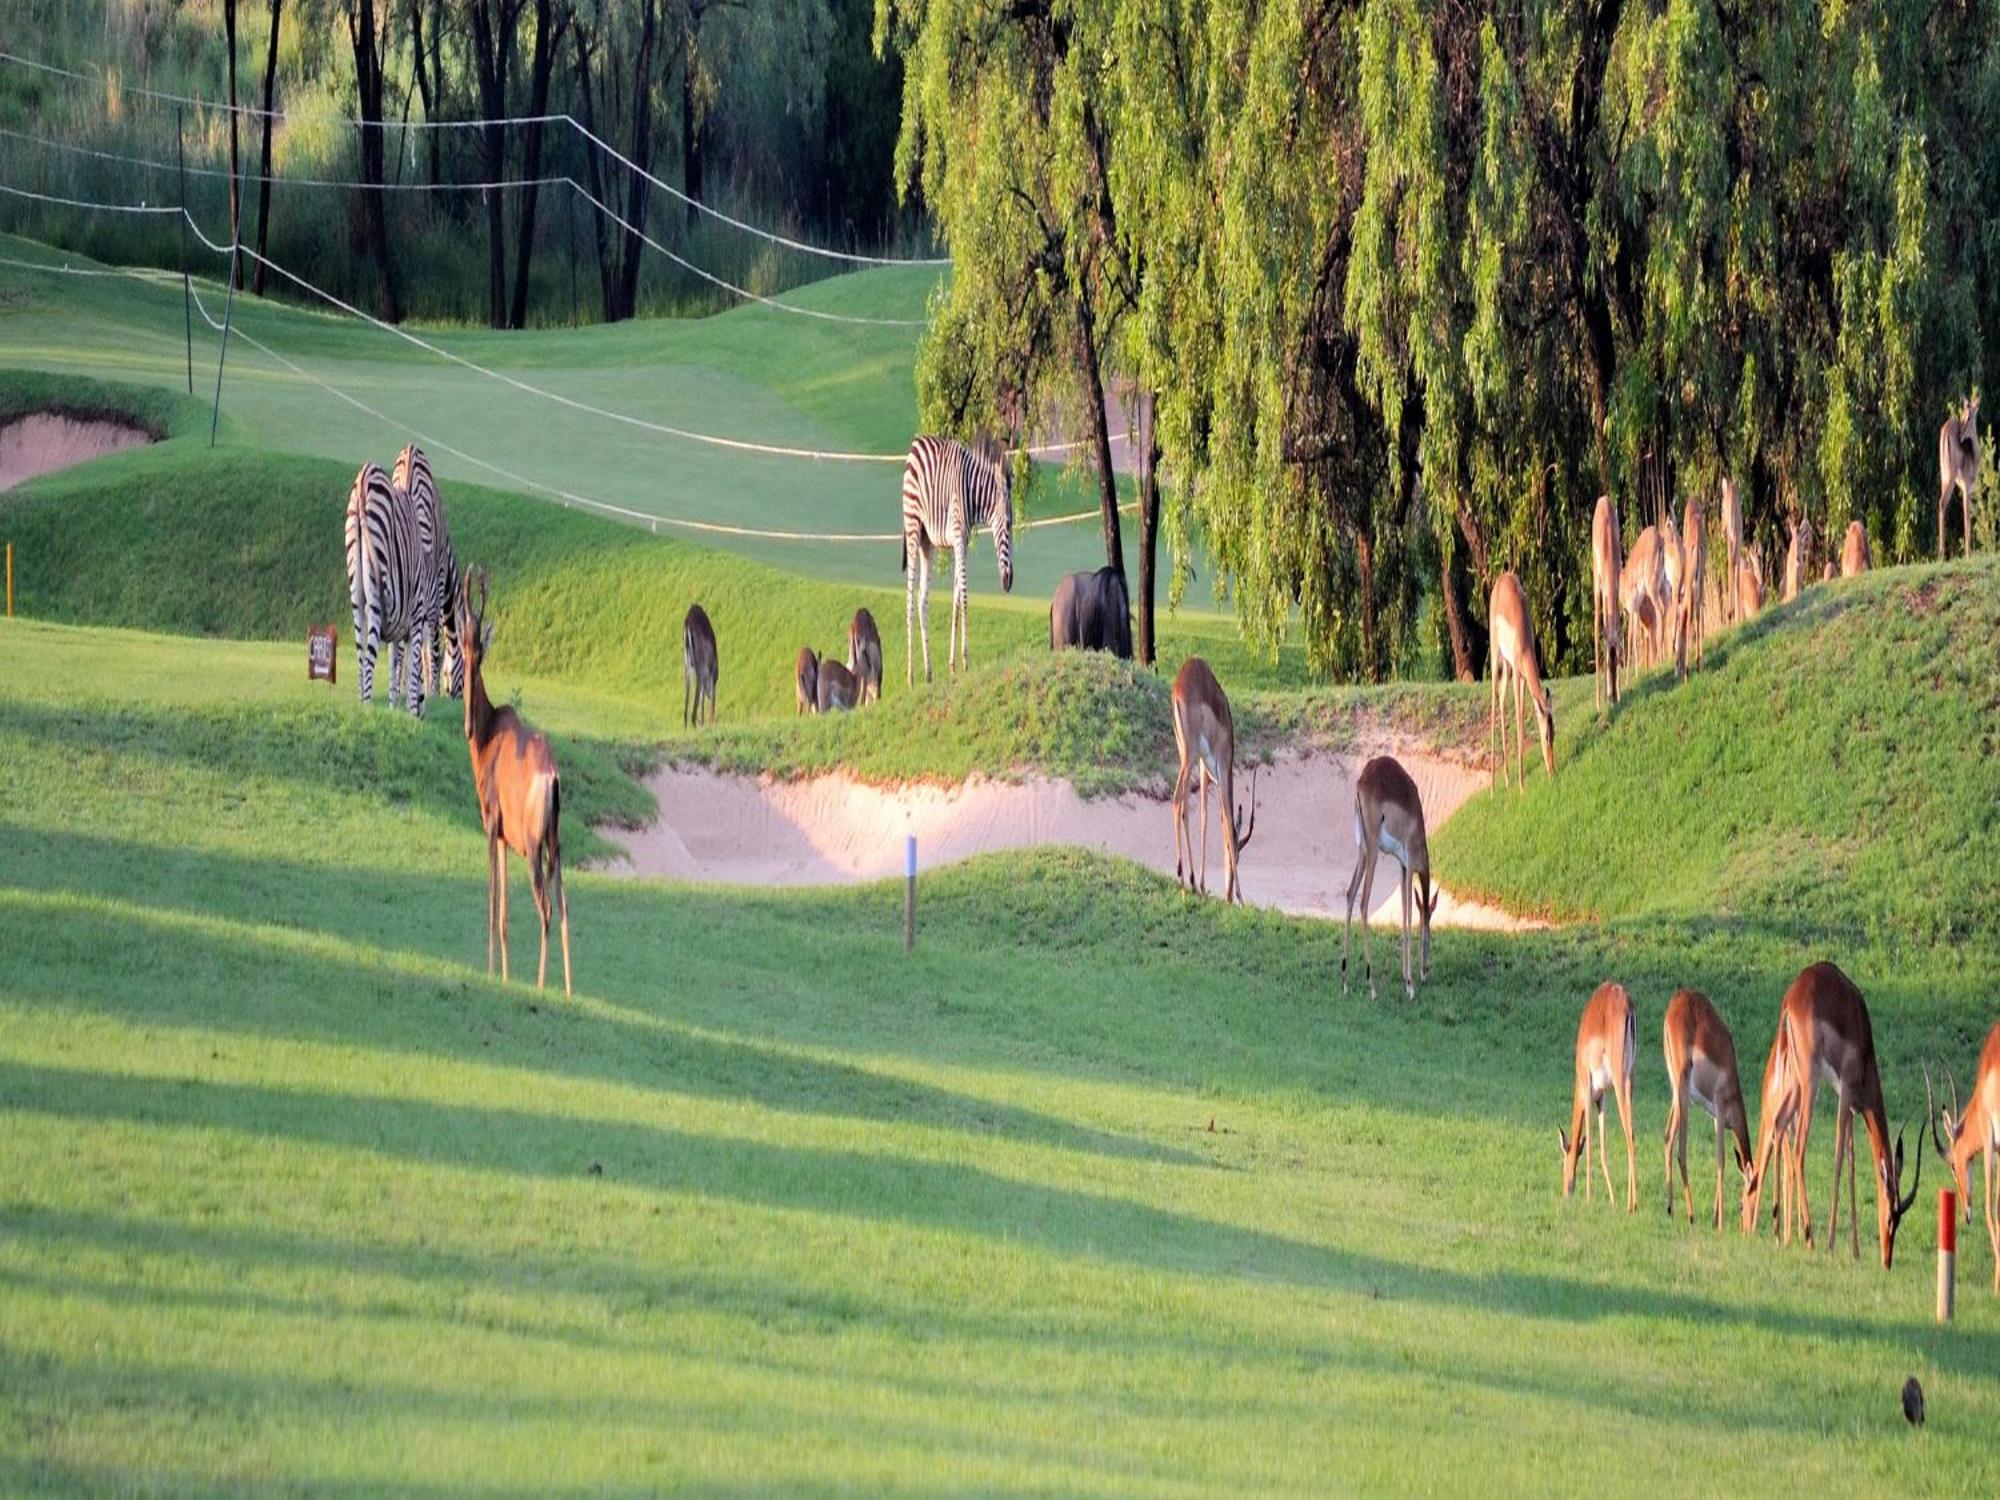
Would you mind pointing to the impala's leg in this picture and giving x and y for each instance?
(1603, 1153)
(1992, 1215)
(1596, 649)
(1493, 702)
(688, 703)
(1632, 1146)
(1409, 985)
(1803, 1125)
(562, 904)
(538, 882)
(1673, 1130)
(503, 915)
(1361, 863)
(1681, 1155)
(1368, 936)
(1853, 1203)
(1520, 736)
(1205, 779)
(1583, 1143)
(1718, 1173)
(494, 872)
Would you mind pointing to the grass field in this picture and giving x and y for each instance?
(1103, 1190)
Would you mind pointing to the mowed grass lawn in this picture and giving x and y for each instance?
(1103, 1190)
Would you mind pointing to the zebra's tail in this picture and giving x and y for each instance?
(906, 552)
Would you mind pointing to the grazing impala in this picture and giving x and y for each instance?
(1732, 541)
(1777, 1140)
(1832, 1041)
(1642, 585)
(698, 664)
(1975, 1131)
(806, 682)
(1854, 558)
(1958, 466)
(1205, 735)
(837, 687)
(1389, 819)
(1607, 641)
(520, 793)
(864, 655)
(1690, 622)
(1607, 1039)
(1512, 642)
(1701, 1066)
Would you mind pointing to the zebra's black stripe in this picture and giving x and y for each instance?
(390, 582)
(446, 665)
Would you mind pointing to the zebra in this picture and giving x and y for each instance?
(950, 489)
(444, 666)
(391, 583)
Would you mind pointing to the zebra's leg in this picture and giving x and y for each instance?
(924, 607)
(959, 601)
(420, 670)
(909, 611)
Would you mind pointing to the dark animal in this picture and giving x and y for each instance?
(1913, 1402)
(699, 665)
(1092, 612)
(808, 683)
(864, 655)
(837, 687)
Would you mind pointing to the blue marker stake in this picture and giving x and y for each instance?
(909, 893)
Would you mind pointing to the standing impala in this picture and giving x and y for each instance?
(1832, 1041)
(1854, 558)
(520, 793)
(1975, 1131)
(1958, 466)
(1607, 1039)
(1205, 735)
(1606, 639)
(1643, 595)
(1389, 819)
(1777, 1139)
(1512, 642)
(1701, 1066)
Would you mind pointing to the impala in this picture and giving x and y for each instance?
(1972, 1131)
(1958, 466)
(520, 793)
(1690, 623)
(1777, 1139)
(1511, 639)
(1748, 586)
(837, 687)
(1701, 1066)
(1642, 585)
(806, 681)
(1606, 638)
(1205, 735)
(1732, 539)
(1607, 1039)
(699, 667)
(1854, 557)
(1832, 1041)
(1389, 819)
(1798, 558)
(864, 655)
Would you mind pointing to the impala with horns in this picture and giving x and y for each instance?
(1975, 1131)
(1777, 1140)
(1958, 466)
(1511, 642)
(1607, 1040)
(1701, 1069)
(1205, 735)
(1832, 1042)
(1607, 640)
(520, 793)
(1389, 819)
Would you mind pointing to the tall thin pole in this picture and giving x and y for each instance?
(228, 309)
(187, 286)
(575, 303)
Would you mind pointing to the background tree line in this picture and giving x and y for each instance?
(1406, 285)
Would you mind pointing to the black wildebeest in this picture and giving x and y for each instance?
(1092, 612)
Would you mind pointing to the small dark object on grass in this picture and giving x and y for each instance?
(597, 1169)
(1913, 1402)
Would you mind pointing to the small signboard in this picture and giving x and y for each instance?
(322, 649)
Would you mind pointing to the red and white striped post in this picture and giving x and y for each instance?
(1947, 1253)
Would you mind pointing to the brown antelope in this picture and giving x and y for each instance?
(1777, 1139)
(1691, 627)
(1205, 735)
(1798, 559)
(1607, 1039)
(837, 688)
(1854, 555)
(1671, 560)
(1642, 593)
(807, 681)
(864, 655)
(1958, 466)
(1607, 640)
(699, 668)
(1975, 1130)
(1511, 642)
(1389, 819)
(1748, 586)
(1832, 1041)
(520, 794)
(1701, 1066)
(1732, 541)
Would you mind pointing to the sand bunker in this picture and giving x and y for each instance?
(744, 831)
(42, 442)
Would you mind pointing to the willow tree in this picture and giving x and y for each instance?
(1003, 133)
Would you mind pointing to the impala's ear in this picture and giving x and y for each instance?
(486, 636)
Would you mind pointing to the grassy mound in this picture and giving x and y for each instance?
(1831, 772)
(162, 412)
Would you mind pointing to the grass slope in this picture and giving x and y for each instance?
(1831, 774)
(1103, 1190)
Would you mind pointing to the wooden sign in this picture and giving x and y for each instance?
(322, 650)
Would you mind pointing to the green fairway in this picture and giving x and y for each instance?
(754, 375)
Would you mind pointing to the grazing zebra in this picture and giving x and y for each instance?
(391, 582)
(950, 490)
(444, 667)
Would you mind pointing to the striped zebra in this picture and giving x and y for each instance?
(391, 583)
(950, 490)
(444, 667)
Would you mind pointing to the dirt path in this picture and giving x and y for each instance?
(42, 442)
(753, 831)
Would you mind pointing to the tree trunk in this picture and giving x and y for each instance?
(493, 46)
(607, 280)
(637, 196)
(1099, 430)
(264, 169)
(430, 84)
(1149, 525)
(690, 129)
(235, 163)
(368, 86)
(1364, 559)
(531, 156)
(1464, 661)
